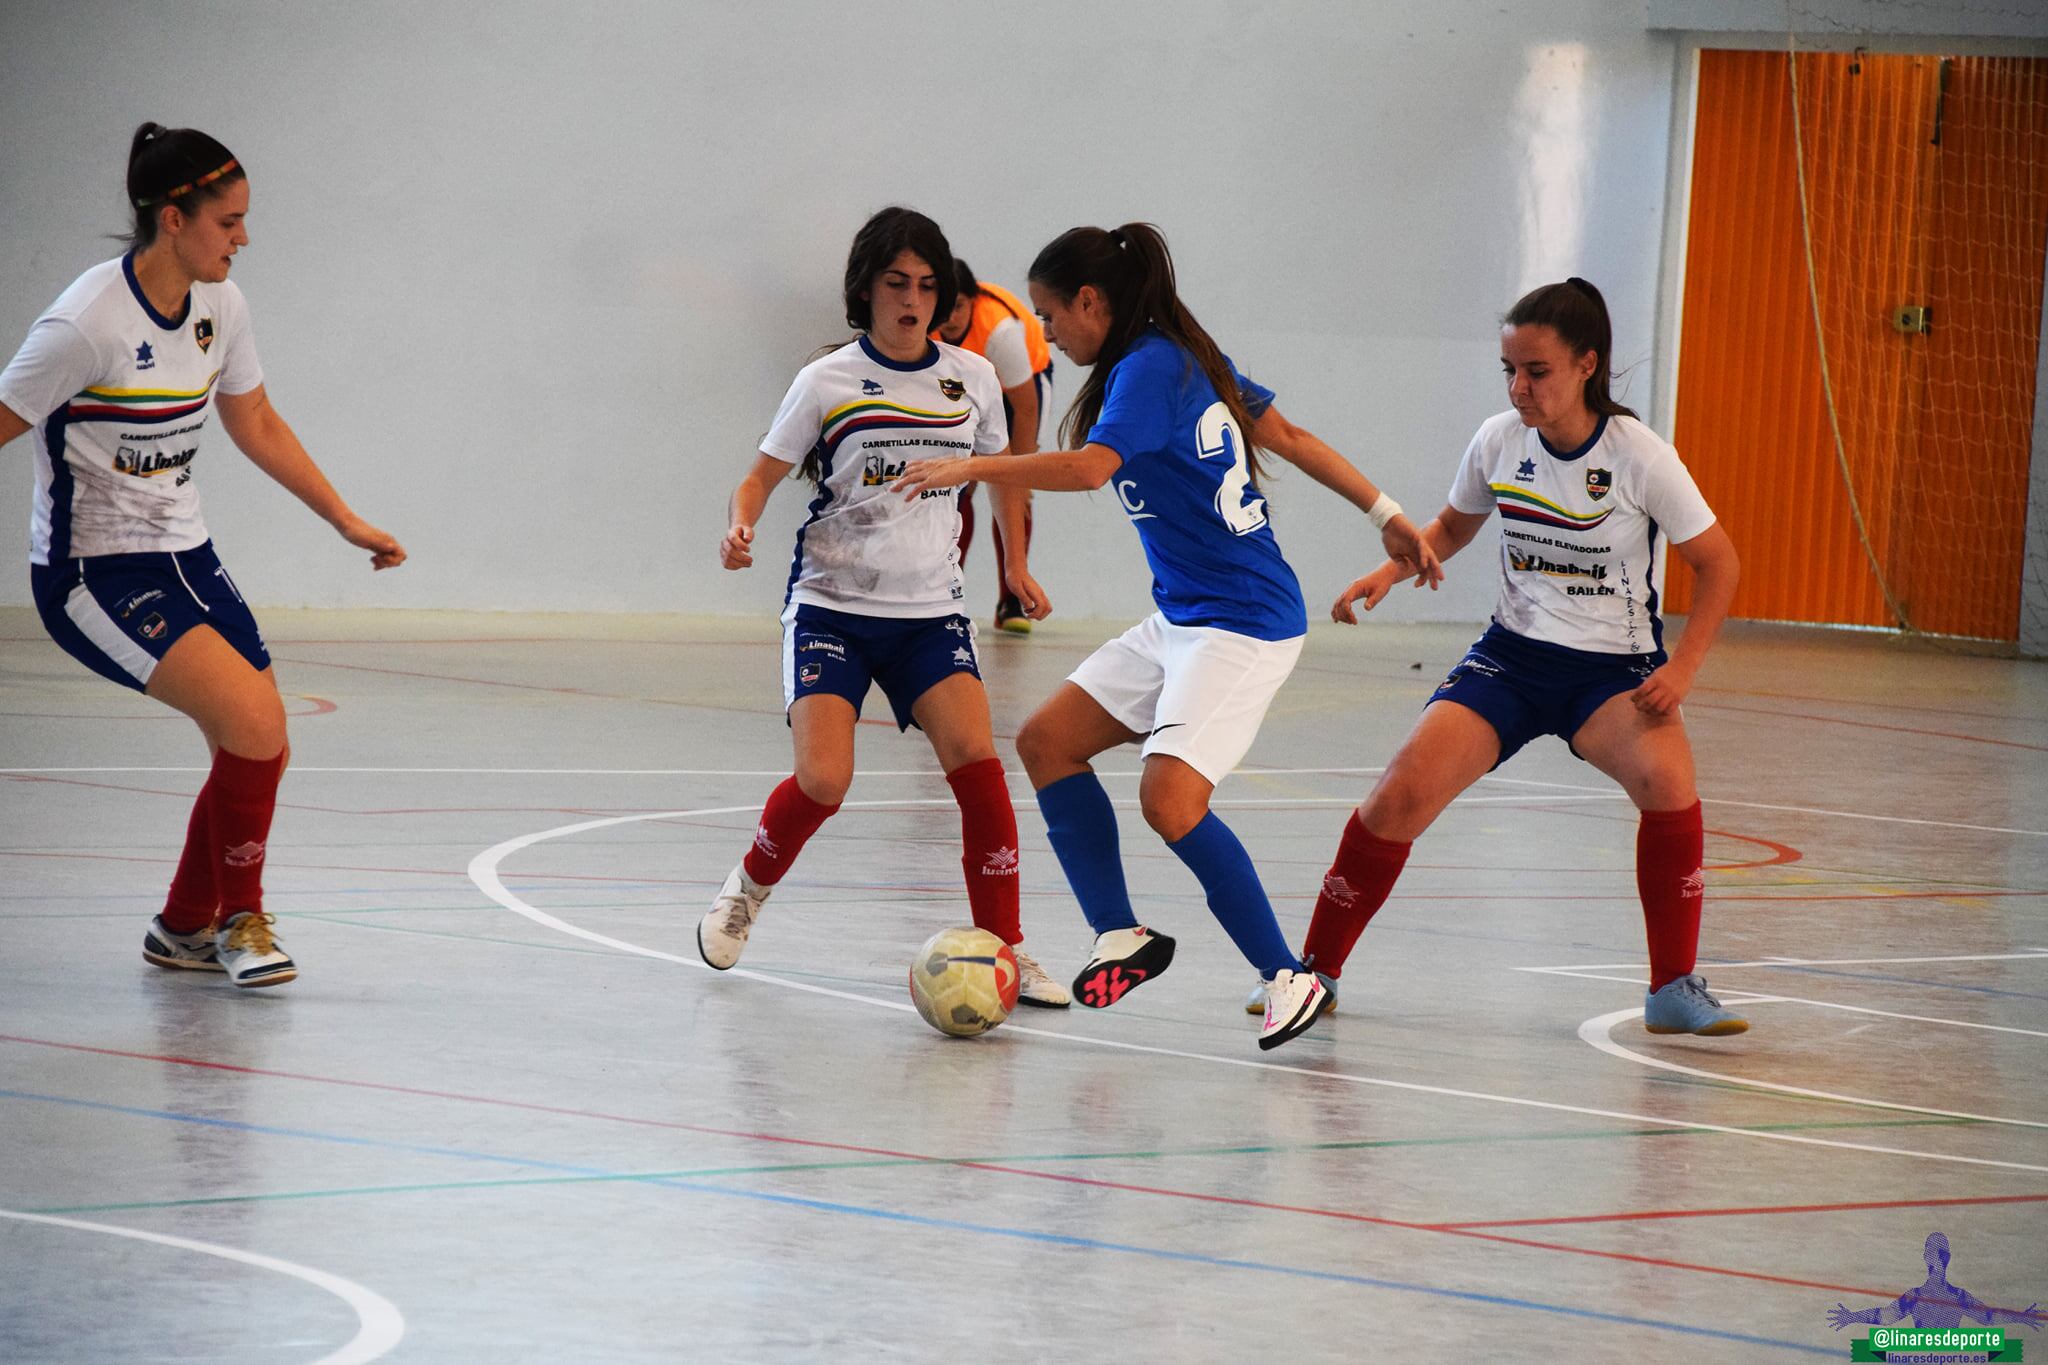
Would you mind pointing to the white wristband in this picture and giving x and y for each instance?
(1383, 510)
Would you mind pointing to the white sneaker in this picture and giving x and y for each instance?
(1255, 1003)
(1294, 1000)
(722, 933)
(194, 951)
(250, 955)
(1034, 987)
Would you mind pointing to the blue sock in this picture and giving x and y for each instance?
(1082, 826)
(1236, 898)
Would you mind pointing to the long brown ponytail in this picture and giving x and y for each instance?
(1134, 272)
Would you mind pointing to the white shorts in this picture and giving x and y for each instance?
(1195, 692)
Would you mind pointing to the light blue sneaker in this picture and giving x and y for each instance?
(1685, 1006)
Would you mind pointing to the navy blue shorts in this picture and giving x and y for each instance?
(1526, 688)
(840, 653)
(119, 614)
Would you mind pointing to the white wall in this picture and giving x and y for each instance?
(530, 278)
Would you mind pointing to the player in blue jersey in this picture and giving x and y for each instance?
(874, 583)
(1167, 420)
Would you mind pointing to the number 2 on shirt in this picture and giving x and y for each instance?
(1218, 439)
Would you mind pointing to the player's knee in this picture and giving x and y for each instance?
(826, 787)
(1396, 809)
(256, 727)
(1172, 814)
(1037, 747)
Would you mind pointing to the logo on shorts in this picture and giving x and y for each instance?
(953, 389)
(141, 599)
(145, 359)
(870, 387)
(1598, 482)
(202, 332)
(244, 855)
(152, 627)
(963, 656)
(817, 645)
(809, 674)
(1339, 891)
(1001, 863)
(956, 625)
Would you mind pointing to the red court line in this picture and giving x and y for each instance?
(1643, 1214)
(1440, 1229)
(582, 692)
(1869, 725)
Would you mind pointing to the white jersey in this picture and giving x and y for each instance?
(1582, 531)
(119, 395)
(864, 549)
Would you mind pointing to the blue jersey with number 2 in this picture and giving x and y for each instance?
(1186, 487)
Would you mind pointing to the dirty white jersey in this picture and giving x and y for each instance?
(1583, 531)
(119, 396)
(862, 548)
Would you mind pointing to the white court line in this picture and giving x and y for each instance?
(1595, 1032)
(483, 870)
(1596, 792)
(1749, 999)
(1797, 810)
(2025, 955)
(380, 1324)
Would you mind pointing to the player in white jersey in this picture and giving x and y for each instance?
(874, 584)
(118, 379)
(1588, 496)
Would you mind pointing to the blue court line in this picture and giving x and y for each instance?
(920, 1220)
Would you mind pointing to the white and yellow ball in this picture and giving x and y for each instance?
(964, 981)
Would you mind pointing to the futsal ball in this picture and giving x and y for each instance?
(964, 981)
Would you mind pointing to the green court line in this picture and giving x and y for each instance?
(778, 1168)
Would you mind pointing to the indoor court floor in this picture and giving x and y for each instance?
(505, 1114)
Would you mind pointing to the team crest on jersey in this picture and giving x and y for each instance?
(145, 359)
(953, 389)
(1526, 472)
(1598, 482)
(202, 332)
(870, 387)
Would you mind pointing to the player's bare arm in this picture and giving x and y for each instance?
(263, 435)
(1316, 458)
(11, 424)
(1055, 471)
(735, 549)
(1450, 532)
(1716, 569)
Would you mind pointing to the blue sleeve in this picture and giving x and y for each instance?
(1137, 406)
(1257, 397)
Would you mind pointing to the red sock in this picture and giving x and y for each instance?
(988, 844)
(1669, 849)
(243, 796)
(788, 820)
(194, 898)
(1354, 889)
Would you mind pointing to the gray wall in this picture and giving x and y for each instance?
(530, 279)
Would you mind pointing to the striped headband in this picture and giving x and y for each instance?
(203, 180)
